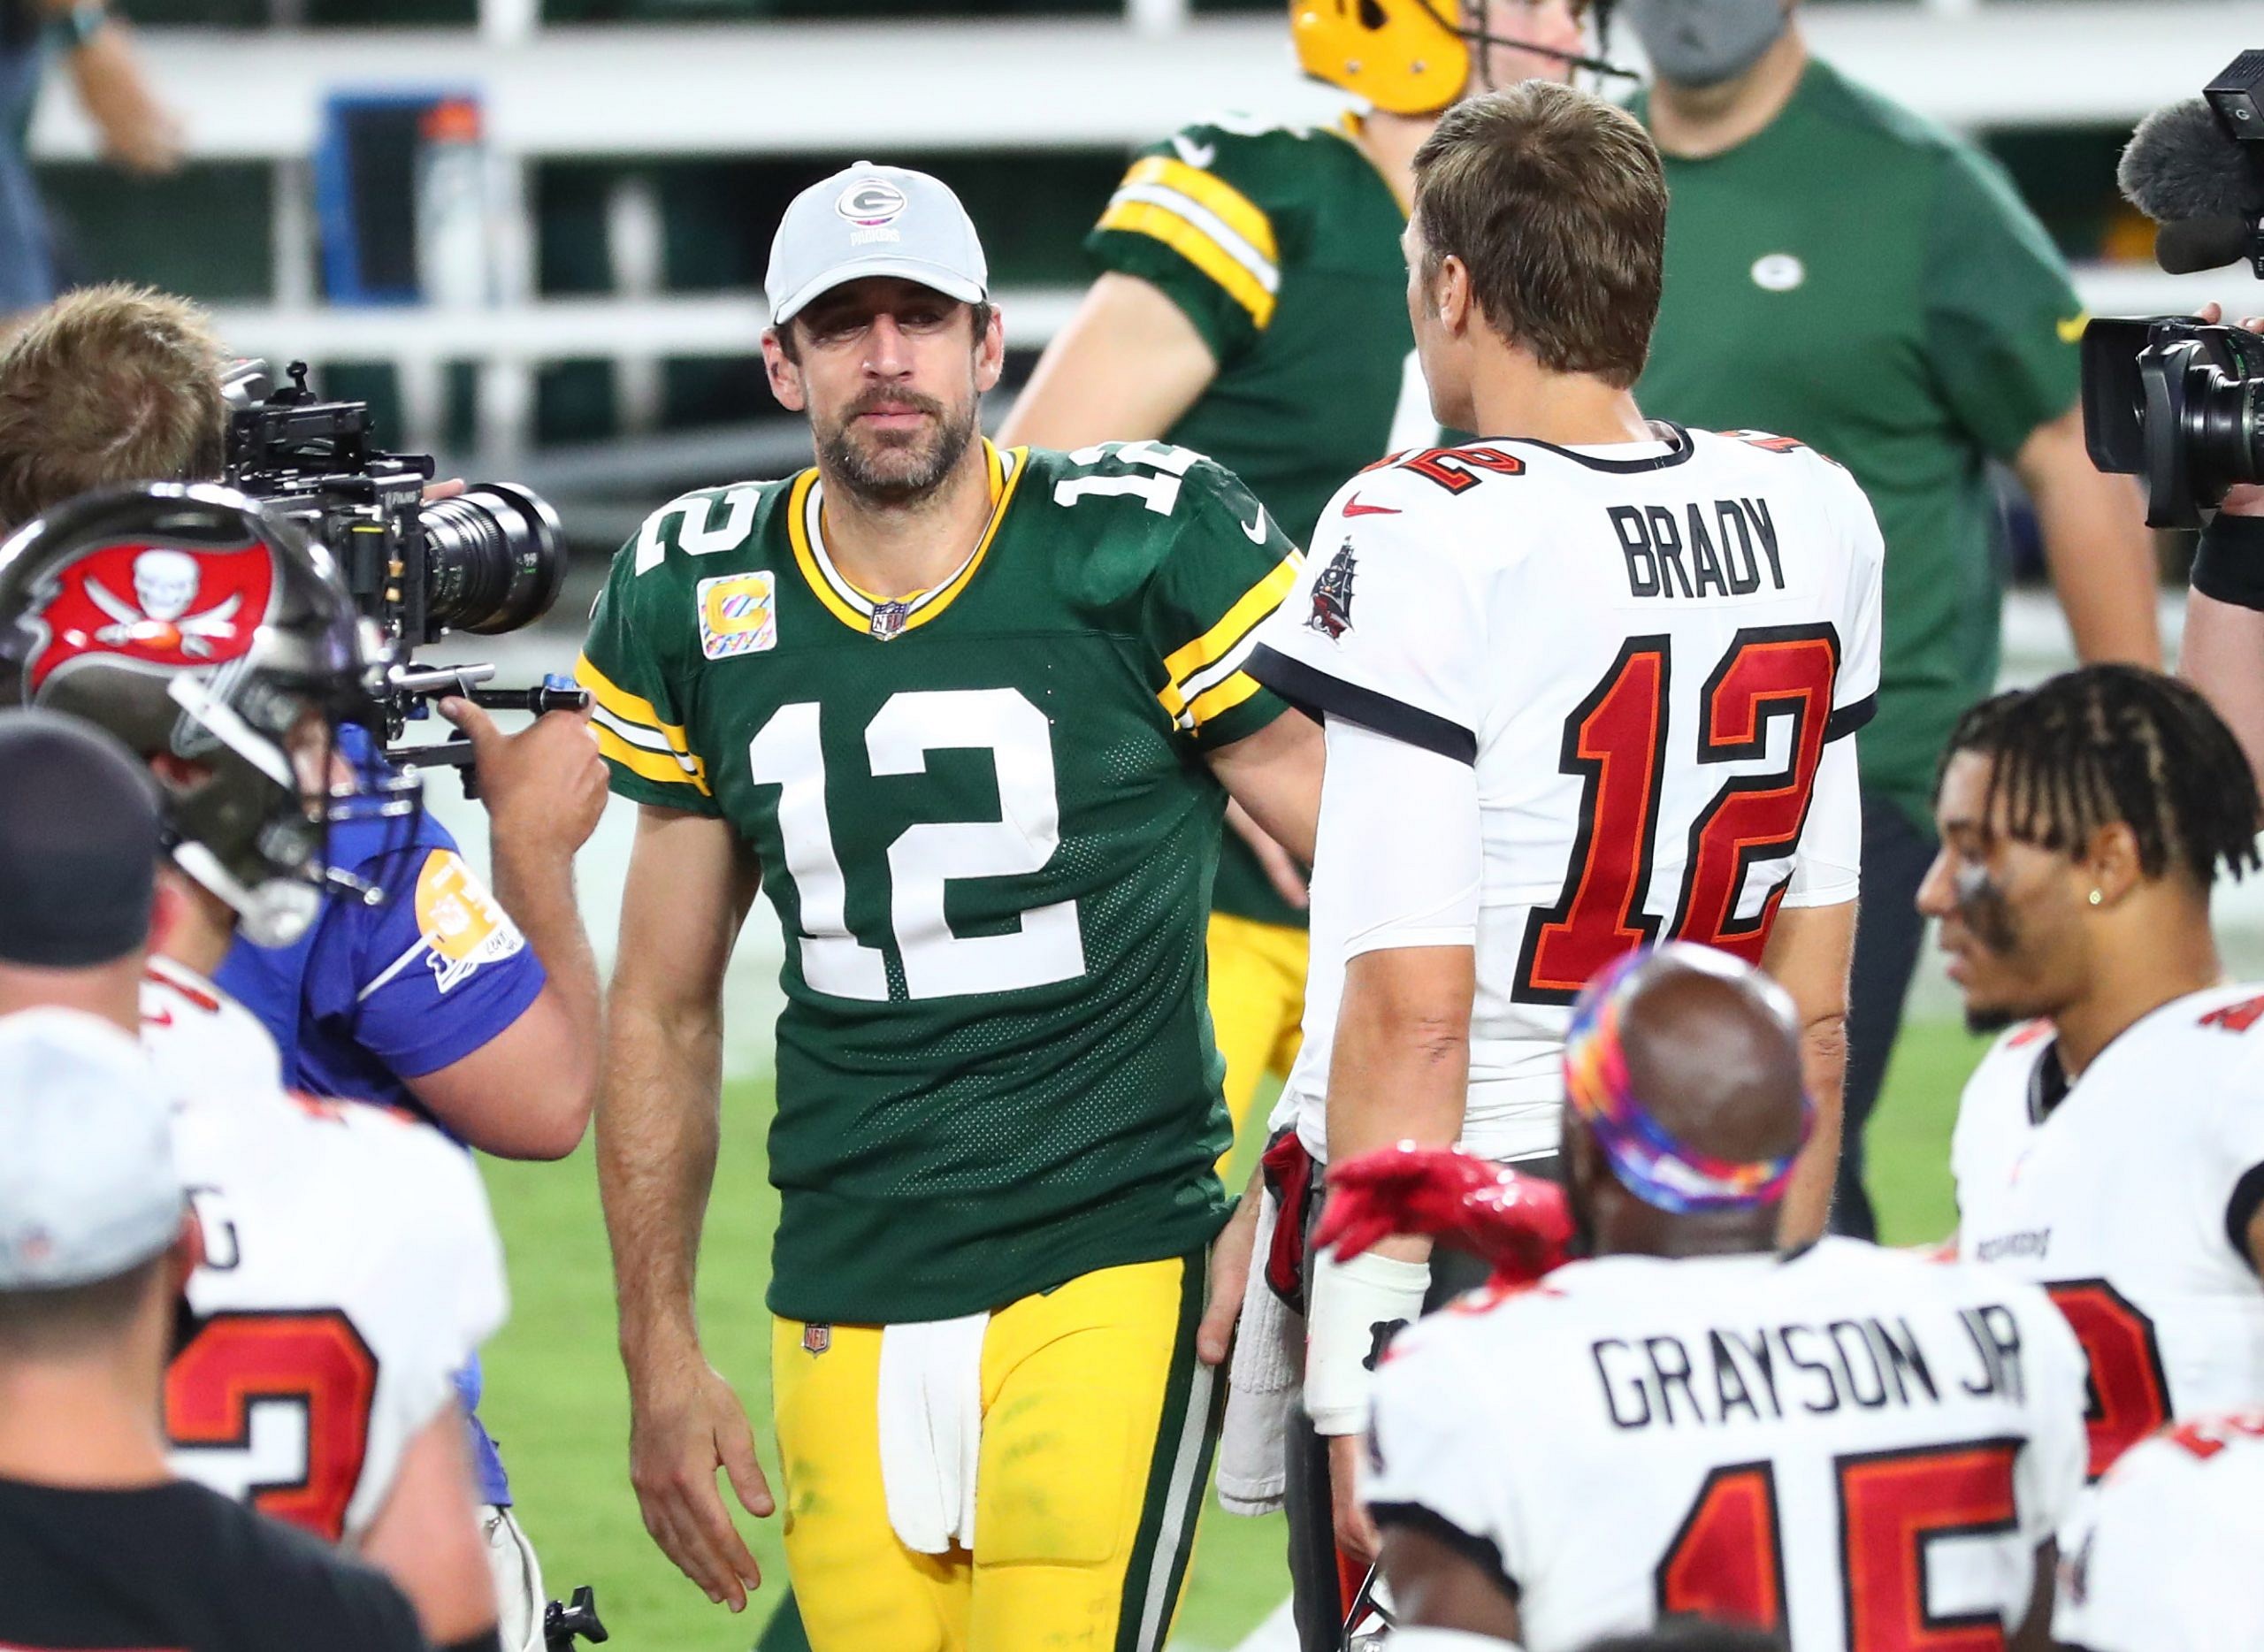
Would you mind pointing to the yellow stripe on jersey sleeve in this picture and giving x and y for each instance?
(1215, 645)
(632, 732)
(1236, 210)
(1209, 223)
(1225, 697)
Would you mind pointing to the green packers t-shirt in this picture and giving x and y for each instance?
(1281, 244)
(1858, 277)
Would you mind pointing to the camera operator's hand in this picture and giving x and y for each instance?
(2246, 500)
(544, 786)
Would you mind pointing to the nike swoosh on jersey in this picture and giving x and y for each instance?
(1254, 532)
(1354, 508)
(1199, 156)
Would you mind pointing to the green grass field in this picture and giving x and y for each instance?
(558, 1402)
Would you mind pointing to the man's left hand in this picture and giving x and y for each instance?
(1355, 1533)
(1230, 1257)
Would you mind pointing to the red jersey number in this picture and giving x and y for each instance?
(316, 1361)
(1727, 1564)
(2128, 1392)
(1617, 739)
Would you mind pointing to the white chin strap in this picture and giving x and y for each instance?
(275, 913)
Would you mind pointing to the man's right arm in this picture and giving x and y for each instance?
(1128, 365)
(689, 884)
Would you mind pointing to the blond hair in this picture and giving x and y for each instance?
(108, 384)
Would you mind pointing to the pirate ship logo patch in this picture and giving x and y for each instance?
(1332, 596)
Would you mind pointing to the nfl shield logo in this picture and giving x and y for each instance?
(816, 1338)
(887, 620)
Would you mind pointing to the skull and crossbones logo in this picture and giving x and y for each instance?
(164, 590)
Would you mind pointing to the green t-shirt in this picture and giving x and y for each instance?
(986, 824)
(1281, 244)
(1860, 278)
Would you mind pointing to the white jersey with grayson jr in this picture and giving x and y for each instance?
(2127, 1196)
(2168, 1555)
(351, 1268)
(1847, 1447)
(1651, 654)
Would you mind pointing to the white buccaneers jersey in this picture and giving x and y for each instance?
(1849, 1447)
(2168, 1555)
(1651, 654)
(2128, 1196)
(351, 1267)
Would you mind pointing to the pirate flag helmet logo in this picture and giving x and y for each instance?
(217, 644)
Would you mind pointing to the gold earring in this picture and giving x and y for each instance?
(2097, 898)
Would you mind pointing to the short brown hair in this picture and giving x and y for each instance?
(1555, 201)
(76, 1319)
(106, 385)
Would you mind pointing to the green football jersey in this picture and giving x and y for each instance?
(1860, 278)
(1281, 244)
(983, 816)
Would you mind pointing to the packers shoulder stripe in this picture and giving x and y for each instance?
(630, 732)
(1203, 672)
(1208, 222)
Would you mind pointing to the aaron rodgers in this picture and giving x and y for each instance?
(969, 717)
(1252, 305)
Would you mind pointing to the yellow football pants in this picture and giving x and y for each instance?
(1097, 1428)
(1258, 1002)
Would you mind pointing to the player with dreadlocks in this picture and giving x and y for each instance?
(2111, 1147)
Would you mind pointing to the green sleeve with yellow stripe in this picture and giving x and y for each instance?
(636, 664)
(1227, 568)
(1187, 218)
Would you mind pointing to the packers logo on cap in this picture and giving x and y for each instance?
(871, 200)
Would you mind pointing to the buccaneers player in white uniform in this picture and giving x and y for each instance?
(2111, 1148)
(2162, 1558)
(1842, 1445)
(1587, 682)
(350, 1264)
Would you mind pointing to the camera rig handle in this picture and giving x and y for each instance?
(554, 694)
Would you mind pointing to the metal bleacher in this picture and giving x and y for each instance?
(840, 88)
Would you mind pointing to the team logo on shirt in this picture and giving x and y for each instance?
(1332, 596)
(738, 613)
(1778, 272)
(463, 928)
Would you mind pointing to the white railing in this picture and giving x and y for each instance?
(821, 89)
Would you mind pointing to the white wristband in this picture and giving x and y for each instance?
(1423, 1637)
(1354, 1307)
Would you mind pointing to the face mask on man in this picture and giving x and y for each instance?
(1703, 43)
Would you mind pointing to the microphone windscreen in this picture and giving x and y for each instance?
(2185, 245)
(2181, 164)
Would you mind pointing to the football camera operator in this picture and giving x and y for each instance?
(474, 1005)
(2180, 400)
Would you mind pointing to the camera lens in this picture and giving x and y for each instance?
(495, 558)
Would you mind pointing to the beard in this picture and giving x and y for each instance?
(891, 468)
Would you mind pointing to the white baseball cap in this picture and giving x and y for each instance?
(874, 220)
(88, 1185)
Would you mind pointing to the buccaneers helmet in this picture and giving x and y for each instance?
(191, 625)
(1408, 56)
